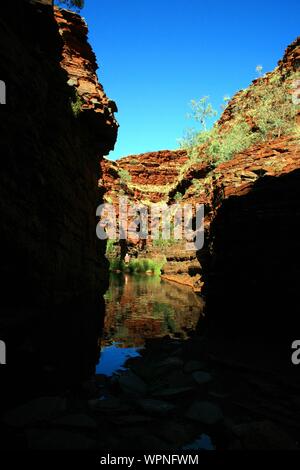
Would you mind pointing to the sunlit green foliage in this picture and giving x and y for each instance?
(124, 176)
(76, 105)
(71, 4)
(138, 265)
(266, 113)
(178, 196)
(110, 247)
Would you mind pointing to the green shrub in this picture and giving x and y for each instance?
(76, 105)
(202, 110)
(222, 147)
(259, 69)
(142, 265)
(124, 176)
(273, 112)
(76, 4)
(225, 103)
(138, 265)
(268, 106)
(162, 243)
(198, 187)
(108, 199)
(276, 77)
(178, 196)
(116, 264)
(110, 247)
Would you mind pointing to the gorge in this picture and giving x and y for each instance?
(228, 379)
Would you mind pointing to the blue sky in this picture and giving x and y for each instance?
(155, 56)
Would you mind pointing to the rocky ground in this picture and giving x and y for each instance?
(169, 398)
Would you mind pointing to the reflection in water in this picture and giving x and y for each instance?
(202, 442)
(139, 307)
(113, 358)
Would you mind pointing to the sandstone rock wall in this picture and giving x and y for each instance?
(56, 126)
(155, 177)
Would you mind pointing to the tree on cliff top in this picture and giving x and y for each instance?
(77, 4)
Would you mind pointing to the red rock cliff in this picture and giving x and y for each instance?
(79, 61)
(251, 259)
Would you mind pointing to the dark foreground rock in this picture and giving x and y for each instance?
(56, 126)
(239, 407)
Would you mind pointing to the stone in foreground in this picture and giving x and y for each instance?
(205, 412)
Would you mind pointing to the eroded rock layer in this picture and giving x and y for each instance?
(155, 178)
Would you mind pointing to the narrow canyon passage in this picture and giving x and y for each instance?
(149, 343)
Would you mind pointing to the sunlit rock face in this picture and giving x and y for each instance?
(79, 61)
(152, 174)
(56, 126)
(249, 264)
(155, 178)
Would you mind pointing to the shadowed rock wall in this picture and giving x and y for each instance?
(56, 126)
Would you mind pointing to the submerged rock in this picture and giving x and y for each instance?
(173, 392)
(205, 412)
(40, 409)
(171, 363)
(176, 433)
(202, 377)
(131, 419)
(79, 420)
(177, 378)
(193, 366)
(158, 407)
(132, 384)
(56, 439)
(263, 435)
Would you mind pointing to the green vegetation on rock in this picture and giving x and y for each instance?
(110, 247)
(263, 111)
(178, 196)
(124, 176)
(71, 4)
(76, 105)
(138, 265)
